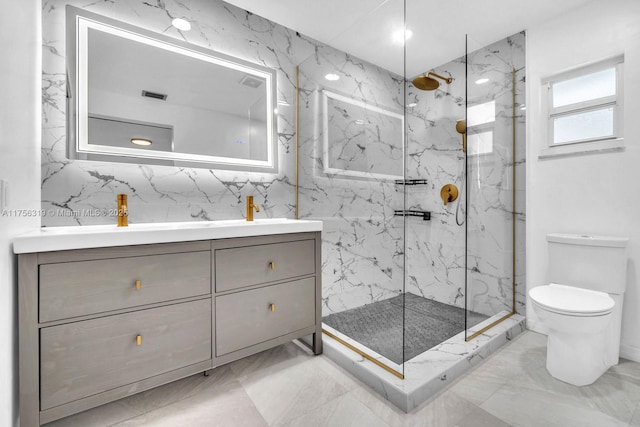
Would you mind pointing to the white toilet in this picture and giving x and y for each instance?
(582, 305)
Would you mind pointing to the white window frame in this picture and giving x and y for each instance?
(482, 128)
(606, 143)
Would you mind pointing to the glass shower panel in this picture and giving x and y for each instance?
(435, 249)
(351, 163)
(495, 175)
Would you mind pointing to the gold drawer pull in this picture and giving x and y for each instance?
(138, 285)
(139, 340)
(272, 307)
(272, 265)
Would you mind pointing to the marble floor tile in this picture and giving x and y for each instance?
(175, 391)
(499, 368)
(288, 355)
(610, 394)
(382, 408)
(344, 411)
(104, 415)
(445, 410)
(481, 418)
(287, 386)
(626, 370)
(276, 358)
(635, 420)
(522, 407)
(226, 405)
(479, 385)
(299, 385)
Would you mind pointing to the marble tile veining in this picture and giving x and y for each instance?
(364, 251)
(435, 259)
(431, 371)
(164, 193)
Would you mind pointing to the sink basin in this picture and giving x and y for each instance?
(92, 236)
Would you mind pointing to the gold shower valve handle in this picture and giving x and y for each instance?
(272, 307)
(138, 285)
(139, 340)
(449, 193)
(272, 265)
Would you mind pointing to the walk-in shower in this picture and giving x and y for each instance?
(408, 288)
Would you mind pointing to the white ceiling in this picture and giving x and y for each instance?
(363, 27)
(188, 82)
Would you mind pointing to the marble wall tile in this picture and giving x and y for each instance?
(364, 247)
(436, 251)
(163, 193)
(362, 240)
(363, 243)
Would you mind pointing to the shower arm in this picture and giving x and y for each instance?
(446, 79)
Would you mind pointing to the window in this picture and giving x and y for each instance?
(481, 119)
(584, 105)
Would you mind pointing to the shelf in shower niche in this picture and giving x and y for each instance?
(426, 216)
(412, 181)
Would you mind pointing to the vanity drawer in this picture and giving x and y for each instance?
(251, 265)
(245, 318)
(88, 357)
(87, 287)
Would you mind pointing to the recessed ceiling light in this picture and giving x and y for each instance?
(399, 36)
(332, 77)
(141, 141)
(413, 104)
(181, 24)
(482, 81)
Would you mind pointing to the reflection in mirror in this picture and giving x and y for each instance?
(146, 98)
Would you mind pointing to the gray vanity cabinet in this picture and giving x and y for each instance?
(266, 288)
(99, 324)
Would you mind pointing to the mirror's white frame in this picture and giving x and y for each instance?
(78, 24)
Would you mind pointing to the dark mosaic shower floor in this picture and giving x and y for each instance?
(379, 325)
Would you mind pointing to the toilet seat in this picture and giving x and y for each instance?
(572, 301)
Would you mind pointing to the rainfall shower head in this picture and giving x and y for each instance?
(427, 81)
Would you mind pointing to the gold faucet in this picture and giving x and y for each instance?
(250, 207)
(123, 211)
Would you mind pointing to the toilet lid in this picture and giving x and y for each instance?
(571, 300)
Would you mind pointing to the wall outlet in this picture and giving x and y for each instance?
(4, 194)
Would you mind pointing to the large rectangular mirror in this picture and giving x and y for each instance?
(140, 97)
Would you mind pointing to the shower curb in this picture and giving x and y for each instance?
(429, 373)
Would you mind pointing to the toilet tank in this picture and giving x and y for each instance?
(598, 263)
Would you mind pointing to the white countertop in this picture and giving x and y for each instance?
(99, 236)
